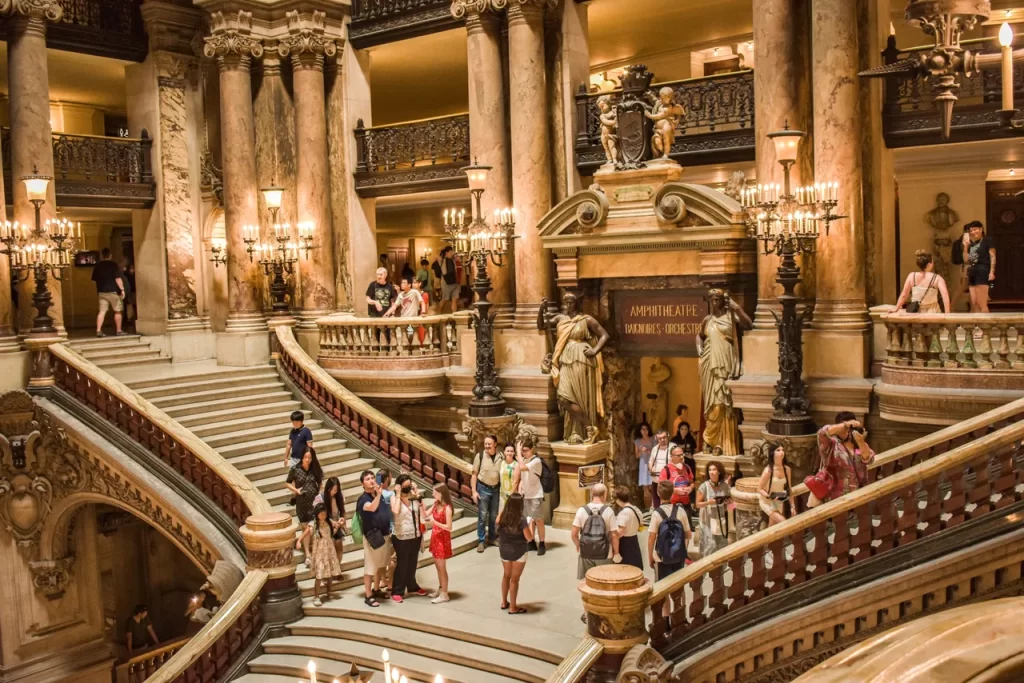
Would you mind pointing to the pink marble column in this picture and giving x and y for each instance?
(531, 154)
(308, 46)
(841, 304)
(232, 43)
(8, 340)
(488, 134)
(31, 136)
(782, 95)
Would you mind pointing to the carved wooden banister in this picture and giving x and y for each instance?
(383, 435)
(904, 506)
(140, 667)
(212, 652)
(576, 664)
(428, 336)
(149, 426)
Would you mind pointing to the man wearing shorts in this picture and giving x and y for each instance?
(374, 513)
(449, 280)
(533, 493)
(110, 290)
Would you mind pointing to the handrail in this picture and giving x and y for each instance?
(383, 434)
(413, 122)
(880, 498)
(433, 338)
(683, 81)
(211, 652)
(159, 433)
(576, 664)
(349, 321)
(140, 667)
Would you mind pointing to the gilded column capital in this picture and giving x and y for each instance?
(231, 40)
(470, 8)
(306, 42)
(40, 10)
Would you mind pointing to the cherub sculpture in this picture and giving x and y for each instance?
(609, 129)
(666, 114)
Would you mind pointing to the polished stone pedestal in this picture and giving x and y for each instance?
(243, 348)
(570, 458)
(749, 517)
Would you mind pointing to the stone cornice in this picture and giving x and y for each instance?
(231, 40)
(170, 26)
(270, 18)
(305, 42)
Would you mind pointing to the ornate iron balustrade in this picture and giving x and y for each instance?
(381, 434)
(383, 21)
(718, 126)
(911, 118)
(421, 156)
(108, 28)
(98, 171)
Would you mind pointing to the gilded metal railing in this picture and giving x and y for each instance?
(110, 28)
(429, 336)
(365, 10)
(380, 21)
(899, 508)
(383, 435)
(429, 142)
(214, 651)
(142, 666)
(95, 158)
(149, 426)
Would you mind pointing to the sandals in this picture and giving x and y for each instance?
(519, 610)
(371, 602)
(504, 606)
(317, 602)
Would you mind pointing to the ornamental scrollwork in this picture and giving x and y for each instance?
(670, 204)
(461, 8)
(33, 9)
(231, 36)
(306, 39)
(643, 664)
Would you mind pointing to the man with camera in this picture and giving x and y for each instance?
(845, 455)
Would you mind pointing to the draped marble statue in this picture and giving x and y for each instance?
(718, 344)
(576, 367)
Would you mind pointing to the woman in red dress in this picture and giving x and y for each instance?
(441, 539)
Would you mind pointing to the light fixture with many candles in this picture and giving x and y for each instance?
(47, 248)
(788, 223)
(480, 241)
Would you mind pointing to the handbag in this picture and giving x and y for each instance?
(820, 483)
(375, 538)
(915, 306)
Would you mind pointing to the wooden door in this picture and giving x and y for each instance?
(1005, 225)
(397, 258)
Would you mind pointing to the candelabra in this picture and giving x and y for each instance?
(481, 242)
(788, 223)
(47, 248)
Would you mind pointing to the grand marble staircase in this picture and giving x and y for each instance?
(128, 351)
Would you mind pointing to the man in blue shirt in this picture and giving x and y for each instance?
(300, 439)
(374, 514)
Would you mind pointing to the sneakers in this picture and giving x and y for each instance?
(441, 598)
(532, 546)
(480, 546)
(542, 548)
(122, 333)
(421, 592)
(397, 598)
(101, 334)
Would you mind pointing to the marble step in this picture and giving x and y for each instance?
(350, 487)
(240, 404)
(99, 342)
(278, 430)
(132, 361)
(273, 484)
(216, 397)
(276, 467)
(400, 641)
(276, 455)
(220, 373)
(265, 418)
(221, 417)
(265, 440)
(192, 385)
(125, 352)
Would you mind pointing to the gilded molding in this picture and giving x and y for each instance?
(306, 42)
(231, 40)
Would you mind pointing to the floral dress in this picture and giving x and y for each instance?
(440, 539)
(308, 487)
(849, 470)
(324, 563)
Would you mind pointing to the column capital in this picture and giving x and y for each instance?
(306, 42)
(173, 69)
(526, 9)
(40, 10)
(231, 40)
(471, 8)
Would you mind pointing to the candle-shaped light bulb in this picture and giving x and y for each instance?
(1006, 41)
(395, 675)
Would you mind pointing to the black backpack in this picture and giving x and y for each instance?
(594, 535)
(548, 481)
(671, 541)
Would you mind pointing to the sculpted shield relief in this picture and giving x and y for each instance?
(634, 126)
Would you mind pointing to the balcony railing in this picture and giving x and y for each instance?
(420, 156)
(958, 350)
(910, 116)
(718, 126)
(383, 21)
(96, 171)
(108, 28)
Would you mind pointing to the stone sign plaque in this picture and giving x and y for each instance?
(659, 322)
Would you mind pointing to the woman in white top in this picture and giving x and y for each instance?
(925, 287)
(629, 520)
(406, 538)
(775, 490)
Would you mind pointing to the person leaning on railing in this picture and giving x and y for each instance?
(924, 289)
(844, 452)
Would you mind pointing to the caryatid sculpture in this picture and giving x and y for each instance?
(576, 367)
(718, 345)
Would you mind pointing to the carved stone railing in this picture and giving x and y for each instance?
(575, 666)
(383, 21)
(149, 426)
(382, 435)
(957, 350)
(142, 666)
(718, 126)
(901, 507)
(100, 171)
(420, 156)
(215, 651)
(108, 28)
(401, 342)
(911, 117)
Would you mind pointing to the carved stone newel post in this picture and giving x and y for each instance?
(615, 599)
(269, 542)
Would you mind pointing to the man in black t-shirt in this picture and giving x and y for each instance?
(381, 299)
(978, 253)
(110, 290)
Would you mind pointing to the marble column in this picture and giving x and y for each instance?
(8, 339)
(307, 46)
(31, 136)
(232, 43)
(840, 314)
(488, 134)
(531, 154)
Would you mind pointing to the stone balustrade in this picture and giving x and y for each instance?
(957, 350)
(140, 667)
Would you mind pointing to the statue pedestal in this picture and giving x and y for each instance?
(476, 429)
(748, 507)
(570, 457)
